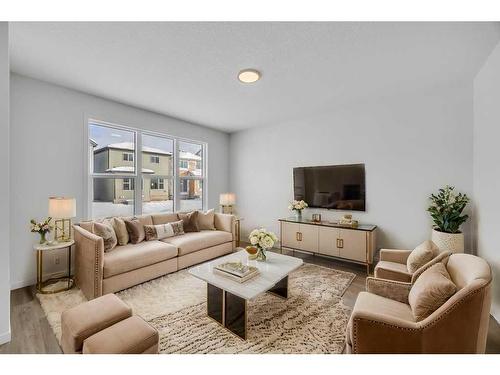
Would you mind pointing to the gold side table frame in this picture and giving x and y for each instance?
(42, 285)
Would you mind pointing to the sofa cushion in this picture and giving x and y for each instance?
(120, 230)
(161, 231)
(135, 230)
(206, 220)
(107, 233)
(164, 218)
(130, 257)
(422, 254)
(194, 241)
(392, 271)
(431, 290)
(189, 221)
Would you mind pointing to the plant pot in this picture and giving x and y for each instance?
(453, 242)
(43, 238)
(261, 255)
(298, 214)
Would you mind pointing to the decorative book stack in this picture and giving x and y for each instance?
(236, 271)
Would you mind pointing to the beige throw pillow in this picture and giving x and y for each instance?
(189, 221)
(107, 233)
(135, 230)
(206, 220)
(160, 231)
(422, 254)
(431, 290)
(120, 230)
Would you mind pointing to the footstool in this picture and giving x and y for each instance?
(130, 336)
(82, 321)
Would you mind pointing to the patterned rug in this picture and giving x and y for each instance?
(312, 320)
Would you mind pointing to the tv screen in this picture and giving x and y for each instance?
(339, 187)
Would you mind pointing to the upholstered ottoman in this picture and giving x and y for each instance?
(129, 336)
(82, 321)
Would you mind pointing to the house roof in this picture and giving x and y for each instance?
(129, 146)
(189, 155)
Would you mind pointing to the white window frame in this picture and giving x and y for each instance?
(138, 177)
(129, 156)
(131, 183)
(154, 159)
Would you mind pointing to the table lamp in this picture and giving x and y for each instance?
(62, 209)
(227, 201)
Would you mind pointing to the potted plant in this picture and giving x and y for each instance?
(297, 207)
(446, 211)
(263, 240)
(42, 228)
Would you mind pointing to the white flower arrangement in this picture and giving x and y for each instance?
(297, 205)
(262, 238)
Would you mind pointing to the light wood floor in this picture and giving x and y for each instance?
(31, 332)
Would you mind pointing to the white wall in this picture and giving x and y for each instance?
(486, 168)
(48, 155)
(4, 188)
(411, 145)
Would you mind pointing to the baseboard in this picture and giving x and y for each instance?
(5, 337)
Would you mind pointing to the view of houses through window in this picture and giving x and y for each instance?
(114, 164)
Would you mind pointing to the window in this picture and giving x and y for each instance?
(157, 183)
(116, 170)
(128, 184)
(128, 156)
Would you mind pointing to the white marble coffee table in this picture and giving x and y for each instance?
(227, 299)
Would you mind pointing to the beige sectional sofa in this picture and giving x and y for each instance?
(99, 272)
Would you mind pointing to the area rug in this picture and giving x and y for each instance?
(312, 320)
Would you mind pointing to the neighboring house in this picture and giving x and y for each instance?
(118, 158)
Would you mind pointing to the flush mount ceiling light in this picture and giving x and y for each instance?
(249, 76)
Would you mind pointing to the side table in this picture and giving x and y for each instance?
(41, 285)
(237, 231)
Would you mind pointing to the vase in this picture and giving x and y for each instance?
(261, 255)
(42, 238)
(453, 242)
(298, 214)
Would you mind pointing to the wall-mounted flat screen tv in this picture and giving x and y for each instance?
(339, 187)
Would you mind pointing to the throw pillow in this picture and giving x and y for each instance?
(206, 220)
(160, 231)
(189, 221)
(120, 230)
(431, 290)
(107, 233)
(422, 254)
(135, 230)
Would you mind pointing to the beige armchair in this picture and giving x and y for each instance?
(392, 265)
(382, 320)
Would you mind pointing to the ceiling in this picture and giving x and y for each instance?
(189, 70)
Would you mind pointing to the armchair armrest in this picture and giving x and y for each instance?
(395, 290)
(393, 255)
(226, 223)
(89, 262)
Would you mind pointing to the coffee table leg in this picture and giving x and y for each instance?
(215, 303)
(281, 288)
(235, 315)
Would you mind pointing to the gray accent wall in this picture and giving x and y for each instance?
(5, 186)
(411, 145)
(48, 151)
(487, 168)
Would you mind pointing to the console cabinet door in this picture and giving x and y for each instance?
(289, 235)
(308, 238)
(328, 241)
(353, 244)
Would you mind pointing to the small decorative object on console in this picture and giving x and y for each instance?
(42, 228)
(348, 221)
(316, 218)
(298, 206)
(263, 240)
(236, 271)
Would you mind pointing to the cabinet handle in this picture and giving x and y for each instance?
(300, 236)
(340, 243)
(297, 236)
(338, 246)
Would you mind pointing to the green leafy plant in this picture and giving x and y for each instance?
(446, 210)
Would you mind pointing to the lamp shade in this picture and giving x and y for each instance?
(62, 208)
(227, 199)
